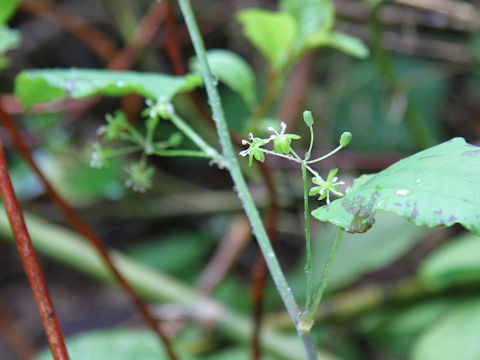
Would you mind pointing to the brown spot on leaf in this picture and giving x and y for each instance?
(452, 218)
(438, 212)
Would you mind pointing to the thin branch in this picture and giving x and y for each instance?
(30, 264)
(82, 228)
(95, 39)
(230, 247)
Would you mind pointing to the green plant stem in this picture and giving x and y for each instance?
(66, 247)
(192, 135)
(187, 153)
(338, 148)
(308, 247)
(309, 314)
(312, 136)
(239, 181)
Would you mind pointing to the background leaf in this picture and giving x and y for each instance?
(437, 186)
(272, 33)
(9, 39)
(313, 17)
(396, 329)
(452, 263)
(7, 9)
(112, 344)
(454, 337)
(36, 86)
(233, 71)
(348, 44)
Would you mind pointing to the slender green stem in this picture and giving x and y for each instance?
(313, 172)
(192, 135)
(152, 124)
(338, 148)
(188, 153)
(308, 250)
(125, 150)
(239, 181)
(309, 152)
(309, 314)
(281, 155)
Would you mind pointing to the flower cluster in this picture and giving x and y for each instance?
(326, 186)
(254, 150)
(282, 147)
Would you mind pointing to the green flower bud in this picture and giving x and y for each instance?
(308, 118)
(345, 138)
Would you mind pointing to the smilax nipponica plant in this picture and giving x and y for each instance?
(282, 147)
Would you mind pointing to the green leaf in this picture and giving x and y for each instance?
(177, 254)
(348, 44)
(313, 17)
(454, 337)
(36, 86)
(233, 71)
(272, 33)
(7, 9)
(359, 254)
(112, 344)
(452, 263)
(396, 329)
(9, 39)
(437, 186)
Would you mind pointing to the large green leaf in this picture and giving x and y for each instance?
(272, 33)
(314, 17)
(7, 8)
(454, 262)
(233, 71)
(36, 86)
(454, 337)
(112, 344)
(437, 186)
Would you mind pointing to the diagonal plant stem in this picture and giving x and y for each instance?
(309, 314)
(82, 228)
(259, 272)
(239, 181)
(30, 264)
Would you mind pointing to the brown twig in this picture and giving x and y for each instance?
(14, 334)
(227, 252)
(97, 40)
(82, 228)
(143, 34)
(31, 264)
